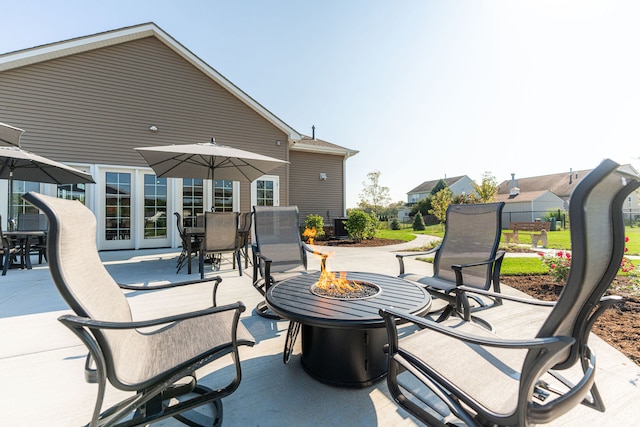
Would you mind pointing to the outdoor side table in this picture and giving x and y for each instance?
(343, 339)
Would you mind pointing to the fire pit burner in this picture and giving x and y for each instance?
(360, 290)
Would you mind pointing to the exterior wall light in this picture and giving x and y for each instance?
(323, 176)
(153, 128)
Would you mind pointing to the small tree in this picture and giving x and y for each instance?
(374, 196)
(418, 222)
(395, 224)
(439, 204)
(487, 189)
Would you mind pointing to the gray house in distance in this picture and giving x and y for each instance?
(457, 184)
(88, 102)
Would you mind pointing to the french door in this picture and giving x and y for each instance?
(265, 191)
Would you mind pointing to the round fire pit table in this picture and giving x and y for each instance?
(343, 339)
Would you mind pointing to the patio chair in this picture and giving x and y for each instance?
(244, 235)
(157, 359)
(468, 255)
(278, 254)
(189, 248)
(35, 222)
(220, 236)
(487, 380)
(8, 251)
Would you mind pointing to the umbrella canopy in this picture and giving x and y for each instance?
(16, 163)
(208, 161)
(10, 135)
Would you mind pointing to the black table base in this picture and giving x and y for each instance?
(344, 357)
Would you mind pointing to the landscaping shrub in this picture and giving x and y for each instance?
(317, 222)
(395, 224)
(418, 222)
(361, 225)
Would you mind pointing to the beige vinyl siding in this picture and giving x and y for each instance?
(309, 193)
(95, 107)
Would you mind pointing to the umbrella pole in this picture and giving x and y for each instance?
(10, 224)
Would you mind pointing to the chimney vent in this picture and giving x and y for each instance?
(313, 132)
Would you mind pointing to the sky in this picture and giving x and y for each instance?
(422, 89)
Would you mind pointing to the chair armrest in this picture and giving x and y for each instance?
(324, 256)
(217, 280)
(513, 298)
(129, 287)
(390, 315)
(400, 257)
(77, 321)
(457, 268)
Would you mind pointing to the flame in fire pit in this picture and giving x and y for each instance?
(333, 284)
(310, 233)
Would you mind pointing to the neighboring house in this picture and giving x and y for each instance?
(88, 102)
(458, 185)
(527, 207)
(528, 198)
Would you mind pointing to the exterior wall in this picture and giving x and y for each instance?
(547, 202)
(462, 186)
(313, 195)
(94, 108)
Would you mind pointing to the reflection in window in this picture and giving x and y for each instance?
(155, 207)
(264, 193)
(192, 202)
(117, 206)
(21, 188)
(223, 196)
(72, 192)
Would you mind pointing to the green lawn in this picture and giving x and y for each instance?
(557, 239)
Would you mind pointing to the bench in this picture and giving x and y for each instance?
(539, 231)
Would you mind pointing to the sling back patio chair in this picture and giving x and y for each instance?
(157, 359)
(278, 254)
(189, 247)
(220, 236)
(244, 235)
(8, 251)
(468, 255)
(485, 379)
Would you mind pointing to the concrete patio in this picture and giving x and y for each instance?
(41, 362)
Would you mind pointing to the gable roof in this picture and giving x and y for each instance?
(77, 45)
(528, 196)
(560, 184)
(307, 143)
(427, 186)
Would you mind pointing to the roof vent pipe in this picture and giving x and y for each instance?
(313, 132)
(570, 175)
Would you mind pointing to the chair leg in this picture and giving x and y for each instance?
(292, 335)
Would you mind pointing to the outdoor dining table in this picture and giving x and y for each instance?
(24, 239)
(343, 339)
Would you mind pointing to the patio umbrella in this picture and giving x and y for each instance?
(16, 163)
(208, 161)
(10, 135)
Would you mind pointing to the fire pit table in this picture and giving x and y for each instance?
(343, 338)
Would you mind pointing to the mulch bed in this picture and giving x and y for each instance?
(618, 326)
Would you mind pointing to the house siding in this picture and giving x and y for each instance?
(312, 195)
(95, 107)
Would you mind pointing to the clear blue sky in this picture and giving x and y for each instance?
(423, 89)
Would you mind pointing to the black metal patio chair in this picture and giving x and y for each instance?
(487, 380)
(8, 251)
(155, 359)
(189, 248)
(468, 255)
(220, 236)
(278, 254)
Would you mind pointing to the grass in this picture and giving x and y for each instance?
(557, 239)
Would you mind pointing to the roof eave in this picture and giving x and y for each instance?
(336, 151)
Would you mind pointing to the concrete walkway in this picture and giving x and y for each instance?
(41, 363)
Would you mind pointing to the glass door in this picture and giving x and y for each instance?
(154, 229)
(115, 230)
